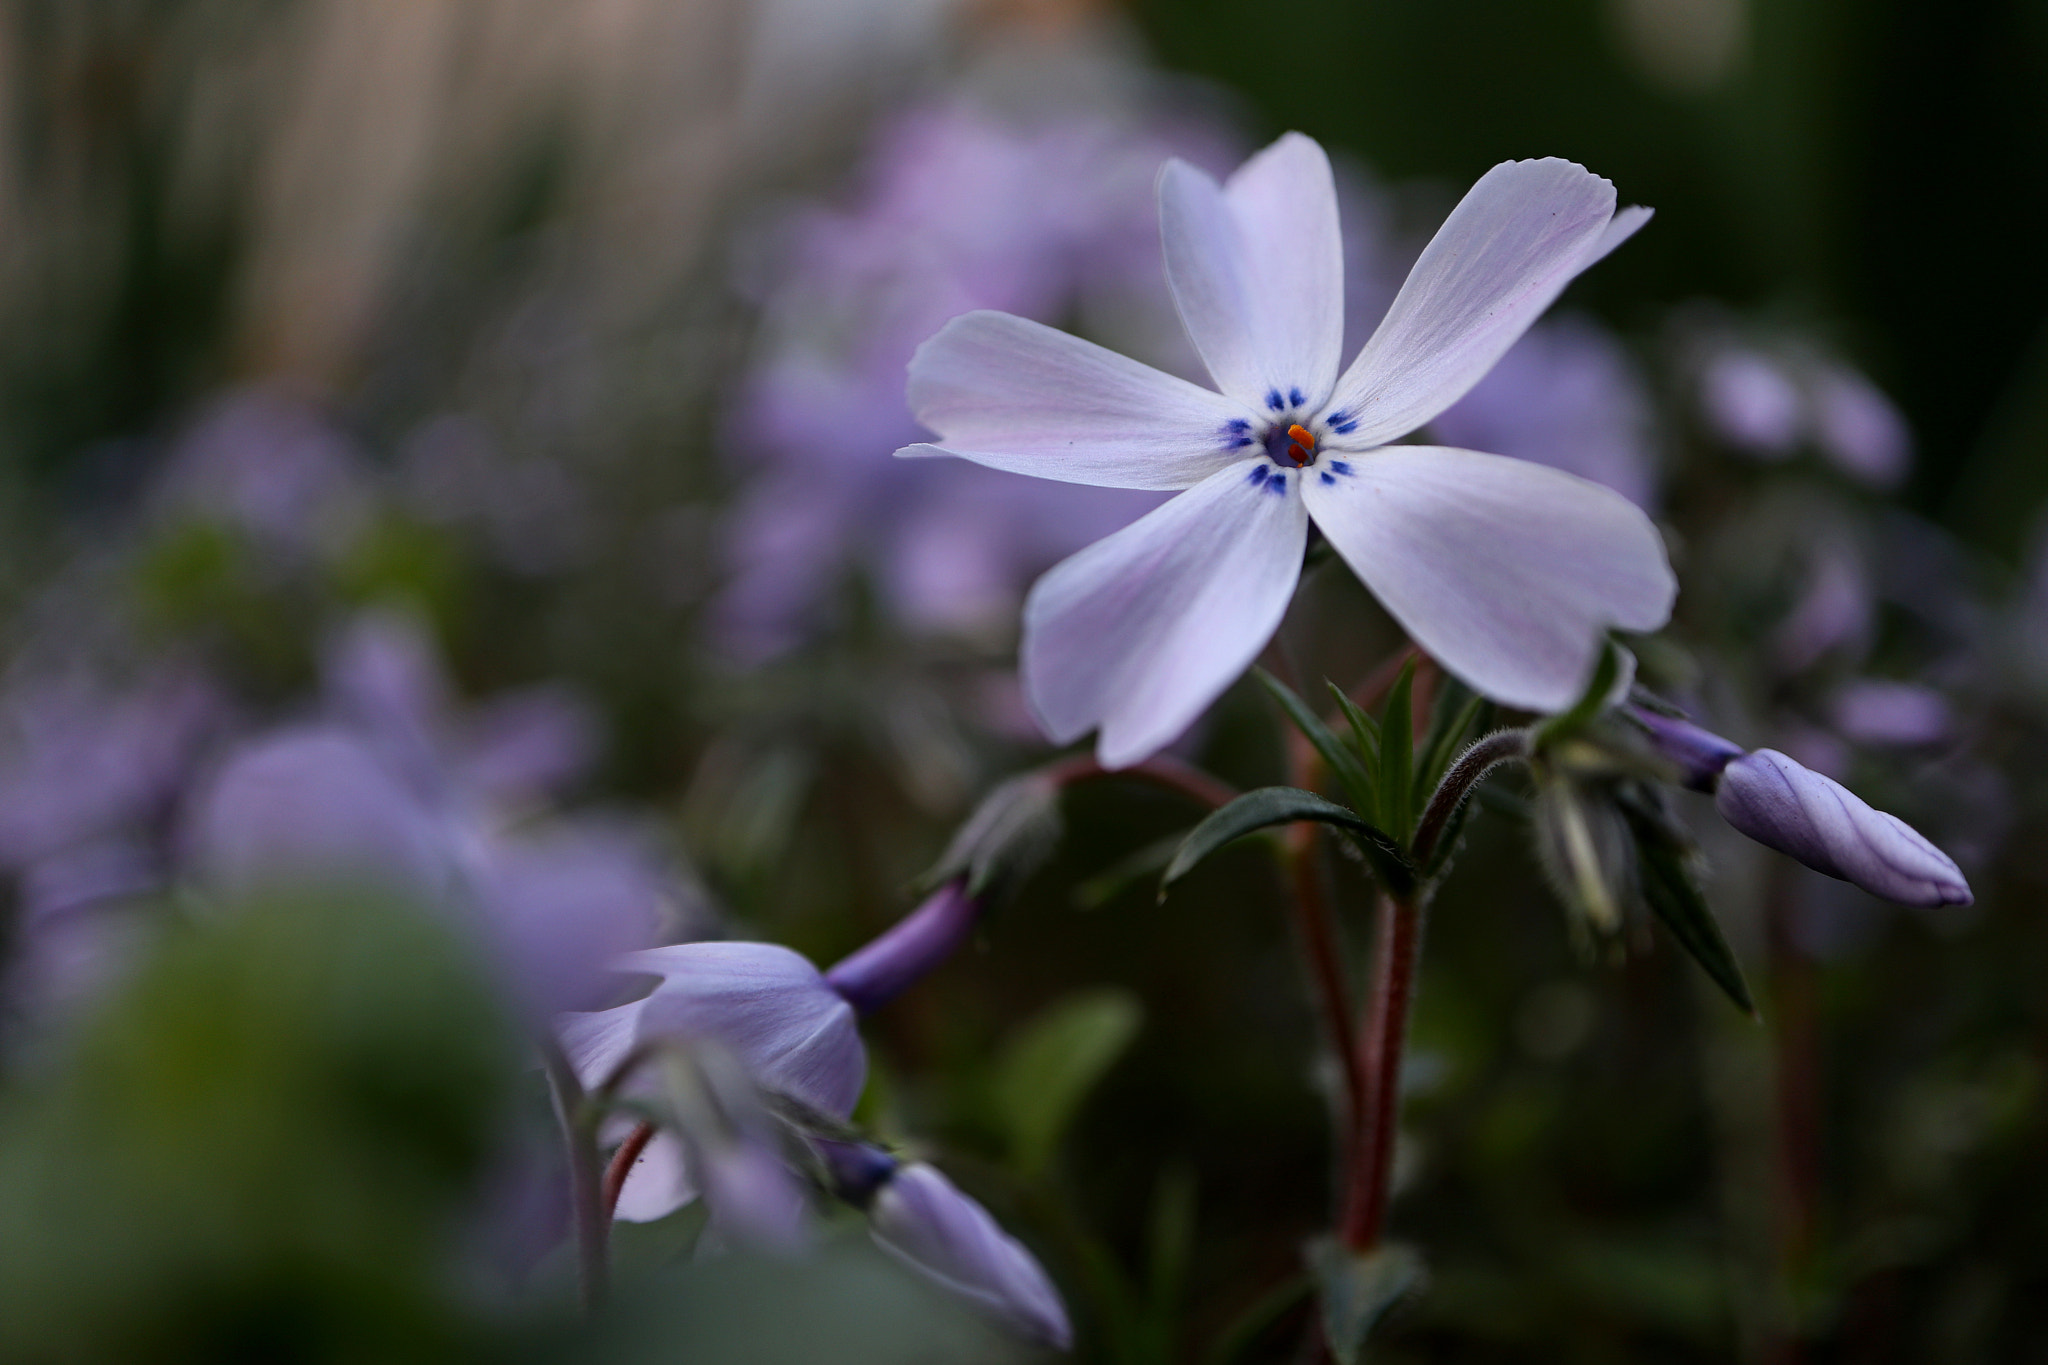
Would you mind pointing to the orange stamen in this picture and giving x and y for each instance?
(1304, 447)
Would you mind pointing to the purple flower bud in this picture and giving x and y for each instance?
(1816, 820)
(1699, 754)
(920, 1218)
(872, 976)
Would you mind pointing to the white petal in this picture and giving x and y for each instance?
(659, 1182)
(769, 1005)
(1509, 248)
(1139, 632)
(1014, 394)
(1625, 224)
(1257, 269)
(1505, 572)
(597, 1042)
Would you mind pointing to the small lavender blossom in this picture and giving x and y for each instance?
(1507, 573)
(783, 1024)
(1823, 824)
(921, 1219)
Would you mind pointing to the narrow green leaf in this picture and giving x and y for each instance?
(1106, 885)
(1264, 808)
(1672, 893)
(1365, 731)
(1357, 1288)
(1450, 723)
(1046, 1072)
(1343, 760)
(1397, 758)
(1591, 702)
(1007, 838)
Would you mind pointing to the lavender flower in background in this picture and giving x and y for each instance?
(958, 208)
(88, 773)
(1769, 400)
(1566, 395)
(397, 789)
(272, 467)
(1506, 572)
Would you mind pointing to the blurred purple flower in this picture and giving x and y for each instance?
(919, 1217)
(398, 788)
(1767, 403)
(79, 760)
(1875, 711)
(1835, 611)
(1752, 404)
(957, 209)
(1566, 395)
(272, 467)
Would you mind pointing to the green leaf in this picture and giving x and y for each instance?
(1592, 701)
(1046, 1072)
(1365, 731)
(1343, 760)
(279, 1115)
(1009, 836)
(1106, 885)
(1357, 1288)
(1672, 892)
(1397, 758)
(1269, 806)
(1452, 720)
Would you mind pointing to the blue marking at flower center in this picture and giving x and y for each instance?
(1274, 400)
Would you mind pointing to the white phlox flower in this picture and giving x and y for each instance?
(1507, 573)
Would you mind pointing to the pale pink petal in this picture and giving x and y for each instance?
(1257, 269)
(1509, 248)
(1506, 573)
(1014, 394)
(1139, 632)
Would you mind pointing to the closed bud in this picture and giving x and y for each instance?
(1816, 820)
(919, 1217)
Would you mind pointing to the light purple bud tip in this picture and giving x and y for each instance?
(1823, 824)
(874, 975)
(1699, 754)
(919, 1218)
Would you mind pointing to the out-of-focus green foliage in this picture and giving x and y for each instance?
(262, 1149)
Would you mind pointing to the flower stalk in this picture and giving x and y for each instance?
(1397, 955)
(590, 1215)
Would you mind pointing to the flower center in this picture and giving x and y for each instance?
(1294, 445)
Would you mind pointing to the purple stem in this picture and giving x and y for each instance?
(1699, 754)
(872, 976)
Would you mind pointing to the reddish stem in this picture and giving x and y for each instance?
(1395, 958)
(1168, 773)
(622, 1166)
(1325, 952)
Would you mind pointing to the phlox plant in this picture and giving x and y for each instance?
(1524, 593)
